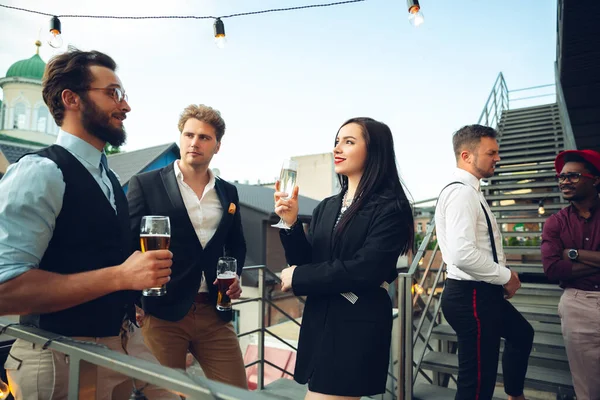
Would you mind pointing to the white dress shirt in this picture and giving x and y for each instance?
(205, 212)
(462, 233)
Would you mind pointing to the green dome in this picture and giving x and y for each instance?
(32, 68)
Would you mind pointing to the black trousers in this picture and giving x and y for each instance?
(480, 315)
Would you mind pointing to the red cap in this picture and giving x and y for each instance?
(591, 156)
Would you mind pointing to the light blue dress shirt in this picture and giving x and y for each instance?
(31, 197)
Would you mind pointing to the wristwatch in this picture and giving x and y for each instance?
(573, 254)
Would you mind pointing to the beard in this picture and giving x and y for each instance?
(483, 173)
(97, 123)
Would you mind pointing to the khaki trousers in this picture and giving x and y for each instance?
(580, 320)
(211, 341)
(37, 374)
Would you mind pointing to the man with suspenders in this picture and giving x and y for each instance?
(475, 300)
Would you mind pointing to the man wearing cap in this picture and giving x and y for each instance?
(571, 255)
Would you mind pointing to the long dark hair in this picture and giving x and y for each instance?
(380, 175)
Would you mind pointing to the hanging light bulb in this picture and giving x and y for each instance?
(4, 390)
(55, 39)
(541, 209)
(220, 38)
(415, 15)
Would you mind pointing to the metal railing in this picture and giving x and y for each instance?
(262, 329)
(425, 296)
(176, 381)
(568, 136)
(496, 103)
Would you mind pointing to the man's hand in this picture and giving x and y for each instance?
(145, 270)
(512, 285)
(286, 278)
(235, 289)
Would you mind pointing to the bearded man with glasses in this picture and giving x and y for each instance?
(571, 255)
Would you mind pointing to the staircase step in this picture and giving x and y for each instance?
(518, 186)
(546, 314)
(540, 119)
(523, 196)
(521, 176)
(522, 250)
(516, 220)
(523, 160)
(522, 207)
(539, 145)
(540, 289)
(539, 378)
(532, 135)
(553, 136)
(521, 132)
(526, 166)
(424, 391)
(506, 156)
(527, 268)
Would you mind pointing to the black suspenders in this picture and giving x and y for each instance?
(487, 218)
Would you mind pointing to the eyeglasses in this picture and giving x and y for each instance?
(573, 177)
(117, 94)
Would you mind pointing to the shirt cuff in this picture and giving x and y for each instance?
(13, 273)
(504, 275)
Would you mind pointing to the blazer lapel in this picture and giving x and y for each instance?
(172, 188)
(330, 215)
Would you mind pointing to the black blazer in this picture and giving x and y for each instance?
(157, 193)
(343, 347)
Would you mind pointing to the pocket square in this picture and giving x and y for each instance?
(231, 208)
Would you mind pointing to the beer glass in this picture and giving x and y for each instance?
(287, 182)
(155, 234)
(226, 274)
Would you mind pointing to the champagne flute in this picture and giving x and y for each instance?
(287, 182)
(155, 234)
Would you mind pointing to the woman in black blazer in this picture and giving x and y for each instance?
(344, 263)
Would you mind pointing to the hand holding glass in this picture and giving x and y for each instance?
(155, 234)
(226, 275)
(287, 182)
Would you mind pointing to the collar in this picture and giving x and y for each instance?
(179, 175)
(467, 177)
(79, 147)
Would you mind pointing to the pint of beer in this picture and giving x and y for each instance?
(226, 274)
(155, 234)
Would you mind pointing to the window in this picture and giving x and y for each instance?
(19, 120)
(420, 227)
(41, 119)
(3, 116)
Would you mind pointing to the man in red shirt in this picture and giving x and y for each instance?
(571, 255)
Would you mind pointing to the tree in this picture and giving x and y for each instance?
(109, 149)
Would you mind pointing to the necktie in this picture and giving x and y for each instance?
(104, 164)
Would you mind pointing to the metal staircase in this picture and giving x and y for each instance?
(522, 194)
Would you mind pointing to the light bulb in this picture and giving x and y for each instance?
(55, 39)
(220, 38)
(416, 17)
(4, 390)
(541, 209)
(221, 41)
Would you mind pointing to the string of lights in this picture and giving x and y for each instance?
(415, 17)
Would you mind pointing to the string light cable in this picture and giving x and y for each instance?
(55, 39)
